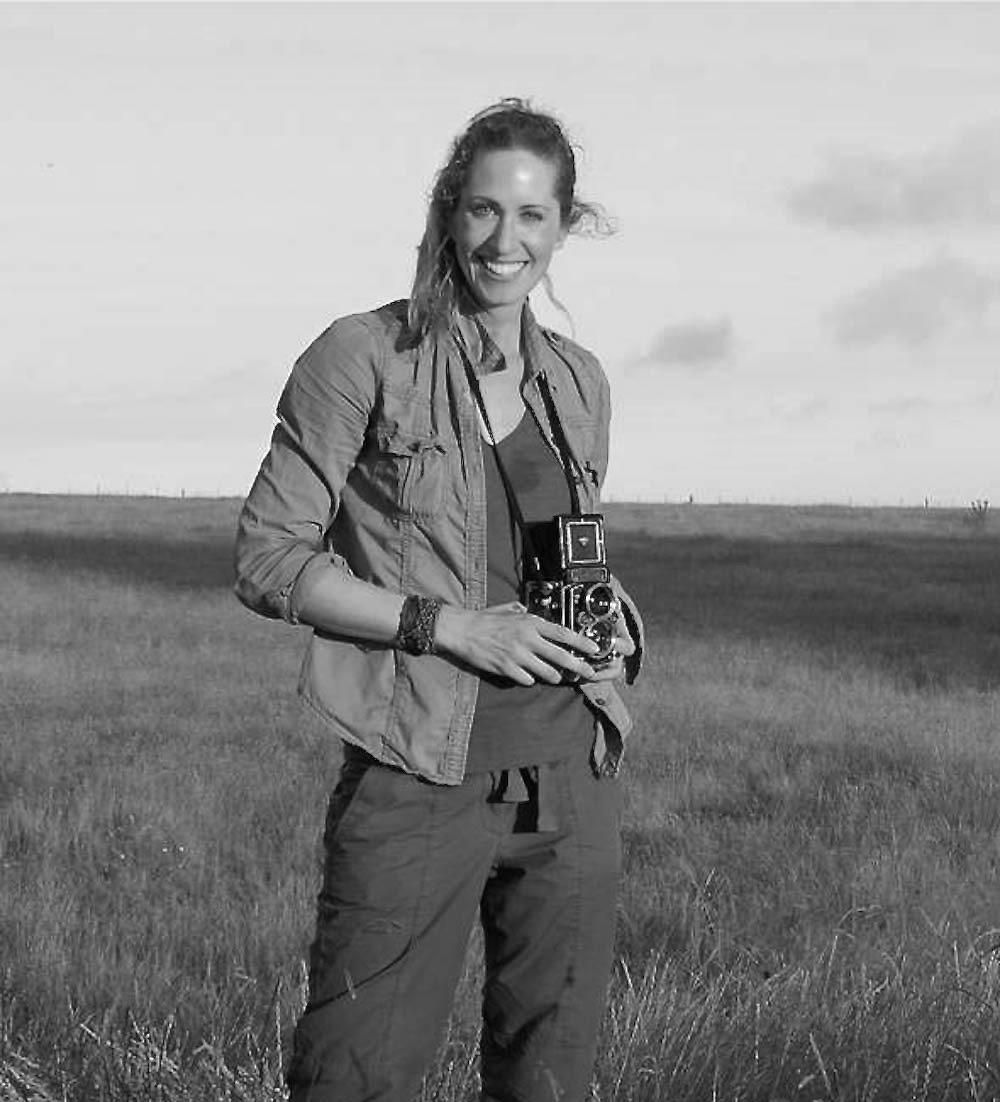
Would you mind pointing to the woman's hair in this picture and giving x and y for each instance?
(509, 124)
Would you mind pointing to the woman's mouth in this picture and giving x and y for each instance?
(503, 269)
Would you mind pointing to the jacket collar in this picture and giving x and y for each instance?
(470, 333)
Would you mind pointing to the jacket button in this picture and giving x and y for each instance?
(602, 700)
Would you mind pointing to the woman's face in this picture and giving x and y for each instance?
(506, 225)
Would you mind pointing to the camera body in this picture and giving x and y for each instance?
(570, 583)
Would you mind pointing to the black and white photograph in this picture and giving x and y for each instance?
(500, 551)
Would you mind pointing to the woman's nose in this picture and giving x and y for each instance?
(505, 237)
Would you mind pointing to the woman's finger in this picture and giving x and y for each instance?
(624, 643)
(565, 637)
(566, 659)
(609, 672)
(540, 670)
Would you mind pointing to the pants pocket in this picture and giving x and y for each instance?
(352, 773)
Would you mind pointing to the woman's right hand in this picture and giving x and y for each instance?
(510, 641)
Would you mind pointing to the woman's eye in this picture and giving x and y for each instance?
(480, 210)
(534, 215)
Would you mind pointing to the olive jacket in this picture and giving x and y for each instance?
(376, 467)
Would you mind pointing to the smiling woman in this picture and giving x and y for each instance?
(432, 461)
(506, 226)
(506, 193)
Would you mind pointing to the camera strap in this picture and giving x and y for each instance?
(527, 543)
(560, 439)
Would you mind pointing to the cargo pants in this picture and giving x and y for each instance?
(408, 866)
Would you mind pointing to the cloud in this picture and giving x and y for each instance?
(916, 304)
(799, 409)
(902, 407)
(954, 185)
(692, 343)
(814, 408)
(954, 402)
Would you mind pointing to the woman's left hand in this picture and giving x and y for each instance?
(624, 646)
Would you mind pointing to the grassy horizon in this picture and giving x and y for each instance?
(810, 906)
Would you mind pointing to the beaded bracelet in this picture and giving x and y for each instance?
(417, 618)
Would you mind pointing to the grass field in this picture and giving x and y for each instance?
(811, 901)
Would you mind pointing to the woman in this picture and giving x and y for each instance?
(416, 445)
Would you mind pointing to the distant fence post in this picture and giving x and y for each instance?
(978, 511)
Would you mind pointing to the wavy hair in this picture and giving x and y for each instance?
(438, 285)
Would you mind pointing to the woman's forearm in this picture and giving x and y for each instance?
(334, 601)
(503, 639)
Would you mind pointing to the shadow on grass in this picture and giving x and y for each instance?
(926, 609)
(192, 564)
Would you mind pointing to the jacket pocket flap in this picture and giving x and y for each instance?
(393, 439)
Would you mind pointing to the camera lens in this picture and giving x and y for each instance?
(599, 600)
(601, 633)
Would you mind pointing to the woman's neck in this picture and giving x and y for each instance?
(505, 332)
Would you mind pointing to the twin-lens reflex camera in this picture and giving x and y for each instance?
(570, 583)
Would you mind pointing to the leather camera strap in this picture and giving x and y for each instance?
(560, 439)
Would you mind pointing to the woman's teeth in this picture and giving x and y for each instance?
(503, 268)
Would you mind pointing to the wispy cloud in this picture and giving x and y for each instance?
(692, 344)
(954, 185)
(902, 407)
(802, 409)
(953, 402)
(916, 304)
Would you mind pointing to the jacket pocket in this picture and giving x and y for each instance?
(409, 469)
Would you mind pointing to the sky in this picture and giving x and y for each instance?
(800, 303)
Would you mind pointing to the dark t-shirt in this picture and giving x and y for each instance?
(518, 725)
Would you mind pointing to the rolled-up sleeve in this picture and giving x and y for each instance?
(323, 414)
(633, 621)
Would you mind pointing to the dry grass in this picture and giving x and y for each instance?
(810, 903)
